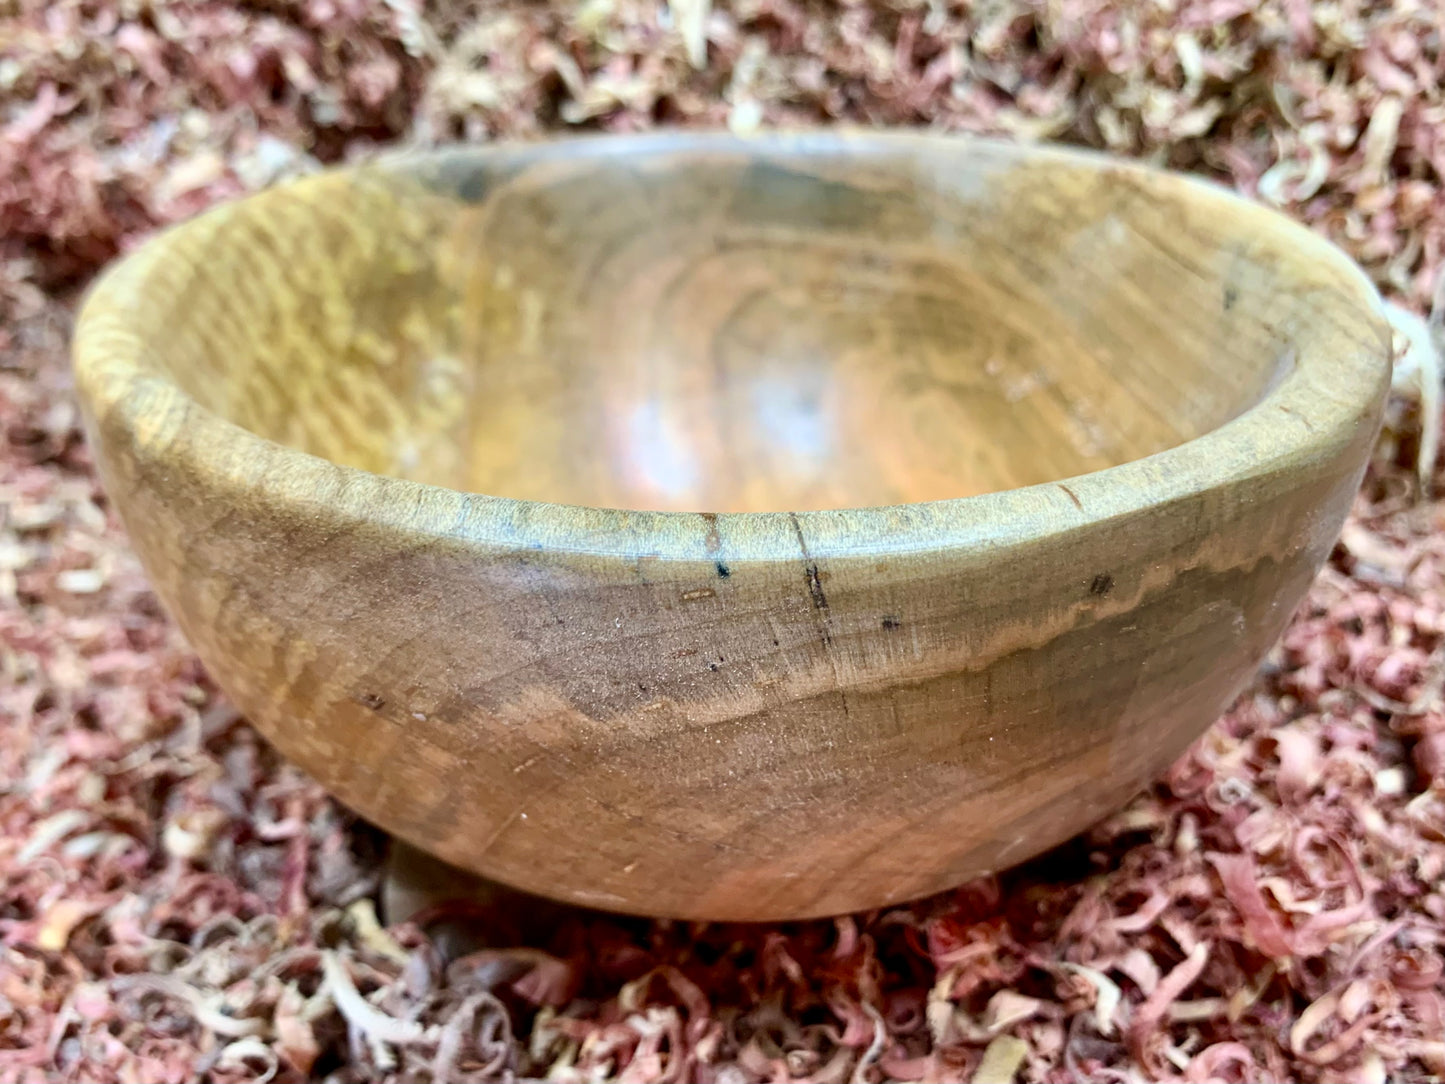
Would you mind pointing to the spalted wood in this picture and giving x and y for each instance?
(734, 528)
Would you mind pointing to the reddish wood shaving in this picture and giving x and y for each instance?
(177, 904)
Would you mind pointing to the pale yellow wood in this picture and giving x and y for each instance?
(734, 528)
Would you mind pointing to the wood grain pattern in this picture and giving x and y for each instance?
(734, 528)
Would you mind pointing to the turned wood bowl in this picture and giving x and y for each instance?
(734, 528)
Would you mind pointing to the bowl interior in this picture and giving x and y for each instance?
(712, 328)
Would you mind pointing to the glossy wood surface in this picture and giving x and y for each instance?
(734, 528)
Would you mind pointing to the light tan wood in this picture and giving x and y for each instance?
(734, 528)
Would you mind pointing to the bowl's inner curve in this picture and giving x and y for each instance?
(715, 333)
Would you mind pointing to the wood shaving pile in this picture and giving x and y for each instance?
(177, 904)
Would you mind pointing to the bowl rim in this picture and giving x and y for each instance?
(1333, 386)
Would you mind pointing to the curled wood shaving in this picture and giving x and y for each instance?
(176, 903)
(360, 1013)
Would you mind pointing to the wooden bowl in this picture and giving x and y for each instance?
(734, 528)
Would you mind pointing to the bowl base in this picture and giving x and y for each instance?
(460, 911)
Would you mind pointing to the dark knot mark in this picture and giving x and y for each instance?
(1102, 584)
(815, 587)
(815, 579)
(815, 582)
(890, 623)
(371, 700)
(723, 571)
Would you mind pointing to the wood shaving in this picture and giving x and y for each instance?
(179, 904)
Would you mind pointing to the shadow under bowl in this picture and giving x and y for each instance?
(734, 528)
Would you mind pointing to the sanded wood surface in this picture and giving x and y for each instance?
(734, 528)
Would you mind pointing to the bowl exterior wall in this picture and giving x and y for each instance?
(719, 738)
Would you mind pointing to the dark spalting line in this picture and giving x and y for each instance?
(815, 590)
(1296, 414)
(1247, 588)
(815, 580)
(1091, 712)
(798, 531)
(815, 587)
(1072, 496)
